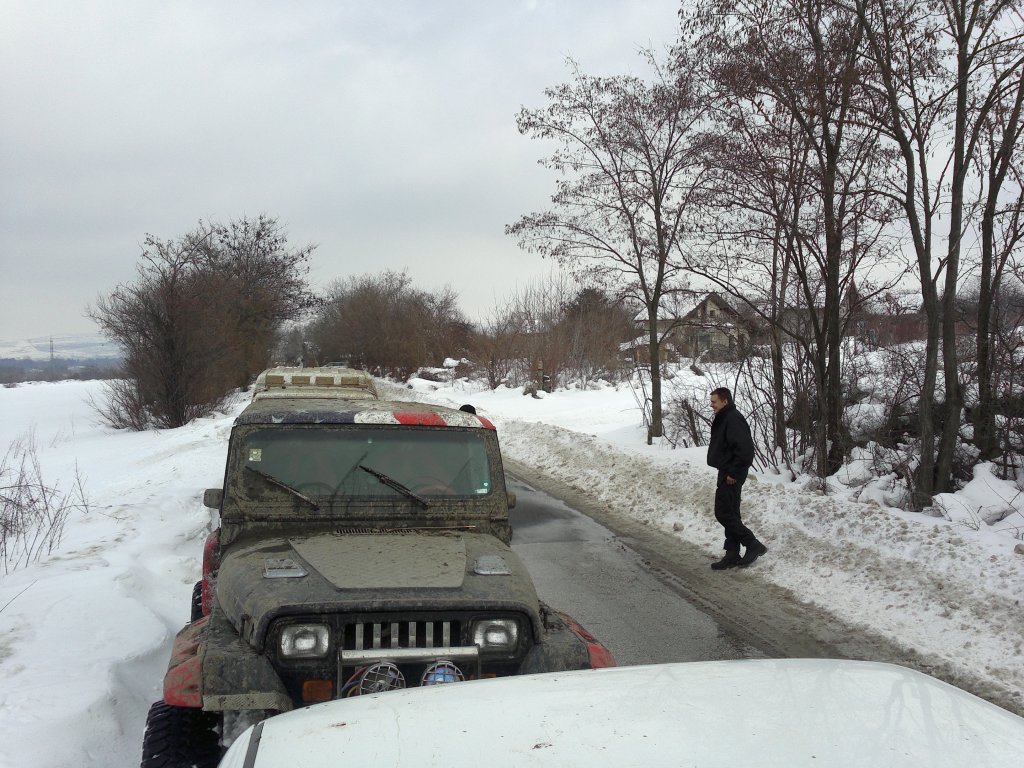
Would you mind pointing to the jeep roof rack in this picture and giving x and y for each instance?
(322, 382)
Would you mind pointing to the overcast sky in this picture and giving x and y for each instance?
(382, 131)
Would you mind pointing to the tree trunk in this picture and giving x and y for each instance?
(656, 428)
(984, 417)
(925, 485)
(954, 399)
(779, 388)
(830, 398)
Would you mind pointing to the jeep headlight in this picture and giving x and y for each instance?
(496, 634)
(304, 641)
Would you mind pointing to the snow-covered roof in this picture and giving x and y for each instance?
(637, 343)
(677, 306)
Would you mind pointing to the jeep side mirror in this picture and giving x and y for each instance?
(511, 499)
(213, 497)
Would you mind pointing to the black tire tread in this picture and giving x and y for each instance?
(197, 601)
(180, 737)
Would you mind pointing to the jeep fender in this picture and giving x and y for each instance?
(183, 681)
(566, 646)
(234, 675)
(213, 669)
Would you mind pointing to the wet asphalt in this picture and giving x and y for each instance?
(580, 567)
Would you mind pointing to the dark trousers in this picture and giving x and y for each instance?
(727, 512)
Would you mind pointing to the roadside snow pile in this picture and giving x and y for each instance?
(951, 589)
(985, 501)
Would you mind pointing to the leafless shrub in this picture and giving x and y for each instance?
(543, 338)
(595, 326)
(383, 323)
(639, 385)
(687, 415)
(524, 340)
(551, 329)
(199, 319)
(498, 349)
(122, 405)
(749, 379)
(33, 514)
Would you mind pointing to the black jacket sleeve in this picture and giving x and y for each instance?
(738, 438)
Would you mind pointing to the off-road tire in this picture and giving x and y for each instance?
(197, 601)
(180, 737)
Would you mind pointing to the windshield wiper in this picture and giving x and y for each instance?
(390, 482)
(281, 484)
(353, 468)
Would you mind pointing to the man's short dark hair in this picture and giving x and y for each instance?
(722, 393)
(468, 408)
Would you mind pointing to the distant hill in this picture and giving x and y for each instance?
(67, 346)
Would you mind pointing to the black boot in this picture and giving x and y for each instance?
(731, 560)
(753, 552)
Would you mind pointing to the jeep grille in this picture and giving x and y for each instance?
(401, 634)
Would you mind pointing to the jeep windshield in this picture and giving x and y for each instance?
(342, 461)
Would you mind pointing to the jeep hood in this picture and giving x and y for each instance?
(332, 573)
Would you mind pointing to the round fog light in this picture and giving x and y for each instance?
(442, 672)
(381, 677)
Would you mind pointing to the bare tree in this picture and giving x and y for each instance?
(798, 219)
(631, 179)
(534, 314)
(1001, 197)
(259, 283)
(942, 71)
(498, 348)
(169, 352)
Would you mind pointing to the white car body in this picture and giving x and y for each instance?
(795, 712)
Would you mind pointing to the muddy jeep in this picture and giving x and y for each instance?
(362, 547)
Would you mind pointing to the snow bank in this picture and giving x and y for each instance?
(85, 633)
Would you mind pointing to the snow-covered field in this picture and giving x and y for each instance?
(61, 346)
(85, 632)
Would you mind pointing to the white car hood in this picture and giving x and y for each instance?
(732, 713)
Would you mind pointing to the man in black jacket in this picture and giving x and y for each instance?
(731, 452)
